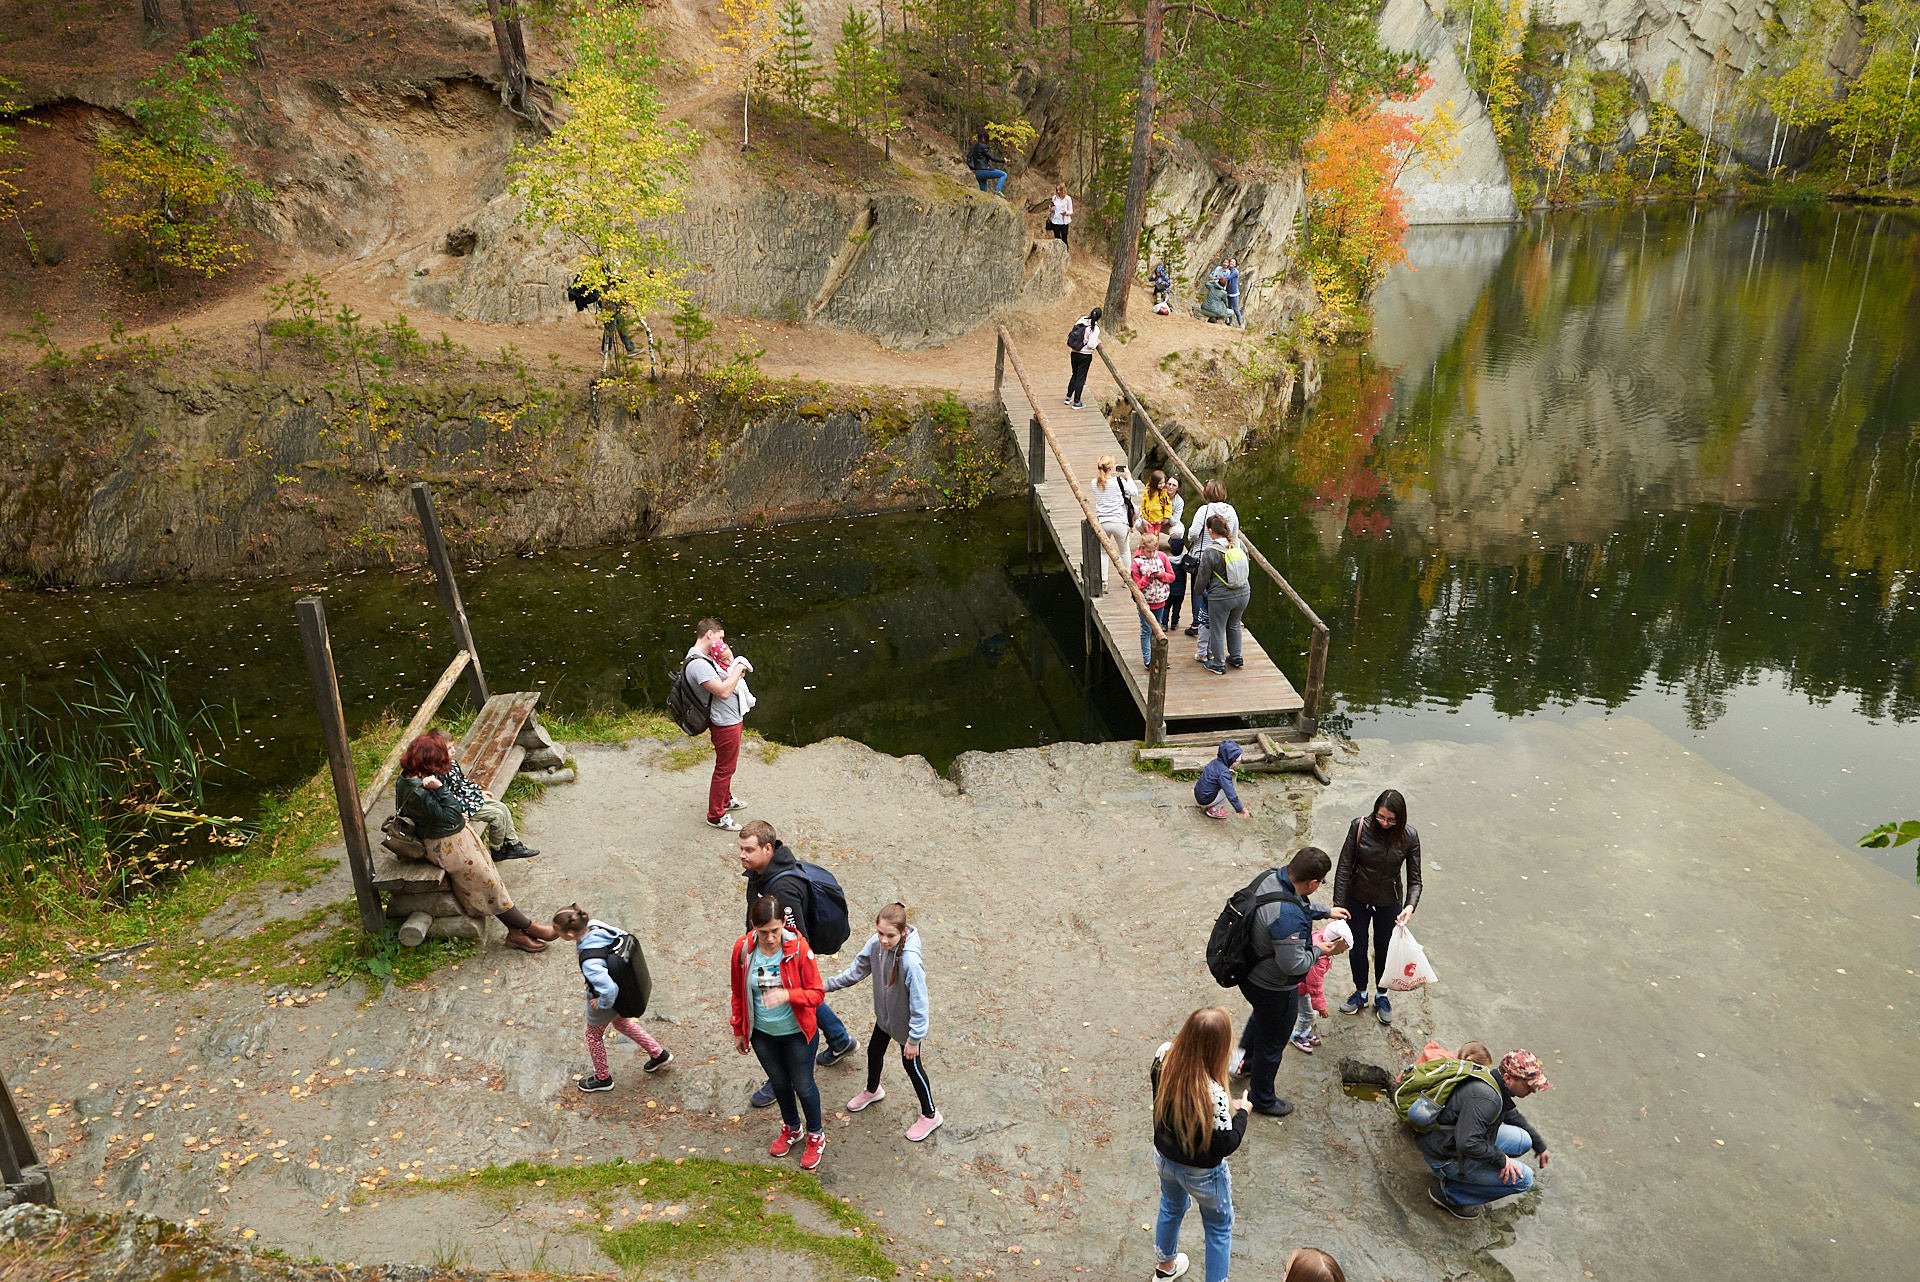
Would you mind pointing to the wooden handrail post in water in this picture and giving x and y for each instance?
(449, 591)
(999, 364)
(1137, 446)
(346, 789)
(1316, 678)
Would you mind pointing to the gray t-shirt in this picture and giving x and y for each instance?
(700, 670)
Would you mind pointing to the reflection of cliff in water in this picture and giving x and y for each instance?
(1676, 444)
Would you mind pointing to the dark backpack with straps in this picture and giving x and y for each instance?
(684, 706)
(827, 924)
(627, 967)
(1077, 336)
(1230, 953)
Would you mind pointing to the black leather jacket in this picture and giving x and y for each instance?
(1369, 868)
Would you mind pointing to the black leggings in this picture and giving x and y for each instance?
(1381, 915)
(916, 1069)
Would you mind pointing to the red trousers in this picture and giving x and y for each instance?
(726, 755)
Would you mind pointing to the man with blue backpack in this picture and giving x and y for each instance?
(815, 908)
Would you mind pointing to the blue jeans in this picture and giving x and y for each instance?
(1212, 1191)
(832, 1028)
(1478, 1185)
(789, 1064)
(1233, 301)
(999, 177)
(1146, 633)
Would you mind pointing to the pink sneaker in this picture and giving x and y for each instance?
(924, 1126)
(865, 1098)
(1218, 812)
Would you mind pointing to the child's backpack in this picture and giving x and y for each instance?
(1423, 1088)
(627, 967)
(827, 924)
(684, 705)
(1077, 336)
(1230, 954)
(1234, 572)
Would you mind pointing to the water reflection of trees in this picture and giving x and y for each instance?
(1677, 446)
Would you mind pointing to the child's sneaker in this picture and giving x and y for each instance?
(1218, 812)
(924, 1126)
(660, 1061)
(1314, 1040)
(865, 1098)
(816, 1145)
(1302, 1042)
(591, 1084)
(783, 1143)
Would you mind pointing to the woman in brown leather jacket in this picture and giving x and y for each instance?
(1367, 884)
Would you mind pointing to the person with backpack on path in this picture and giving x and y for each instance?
(1279, 944)
(1197, 1125)
(771, 869)
(1082, 341)
(713, 668)
(1216, 781)
(613, 982)
(1478, 1135)
(986, 167)
(1224, 570)
(776, 993)
(901, 1012)
(1213, 496)
(1367, 885)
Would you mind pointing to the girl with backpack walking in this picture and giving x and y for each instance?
(1196, 1127)
(1213, 497)
(1367, 885)
(776, 993)
(598, 949)
(900, 1011)
(1226, 591)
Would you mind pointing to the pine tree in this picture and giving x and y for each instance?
(865, 83)
(796, 73)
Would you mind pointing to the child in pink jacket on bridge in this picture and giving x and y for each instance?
(1313, 997)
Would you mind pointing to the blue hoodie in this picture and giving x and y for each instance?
(900, 1006)
(594, 969)
(1218, 777)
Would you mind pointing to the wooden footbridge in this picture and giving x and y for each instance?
(1059, 445)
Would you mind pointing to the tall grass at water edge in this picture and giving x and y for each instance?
(102, 793)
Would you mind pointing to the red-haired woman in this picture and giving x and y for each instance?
(421, 795)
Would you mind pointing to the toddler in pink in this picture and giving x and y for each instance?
(1313, 998)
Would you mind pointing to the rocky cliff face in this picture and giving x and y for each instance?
(1474, 187)
(911, 271)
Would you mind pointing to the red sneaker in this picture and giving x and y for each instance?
(784, 1143)
(816, 1144)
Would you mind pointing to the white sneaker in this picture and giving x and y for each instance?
(726, 823)
(1179, 1268)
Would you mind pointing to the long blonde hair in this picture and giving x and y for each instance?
(1100, 470)
(1196, 1060)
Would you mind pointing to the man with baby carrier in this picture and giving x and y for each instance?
(1464, 1120)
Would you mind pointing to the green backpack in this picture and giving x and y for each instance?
(1424, 1088)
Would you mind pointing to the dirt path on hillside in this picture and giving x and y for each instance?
(1670, 942)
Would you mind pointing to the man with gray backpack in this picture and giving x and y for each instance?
(1467, 1127)
(1223, 576)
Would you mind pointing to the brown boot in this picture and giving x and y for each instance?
(540, 930)
(524, 942)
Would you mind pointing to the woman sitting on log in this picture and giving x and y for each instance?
(422, 795)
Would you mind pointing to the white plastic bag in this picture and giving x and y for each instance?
(1407, 966)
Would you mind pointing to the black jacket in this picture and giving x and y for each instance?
(1369, 868)
(981, 157)
(435, 812)
(1470, 1122)
(791, 891)
(1221, 1140)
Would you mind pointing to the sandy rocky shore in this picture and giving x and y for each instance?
(1724, 997)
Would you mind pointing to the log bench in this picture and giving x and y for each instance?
(1261, 753)
(504, 737)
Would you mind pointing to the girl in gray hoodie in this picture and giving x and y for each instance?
(900, 1011)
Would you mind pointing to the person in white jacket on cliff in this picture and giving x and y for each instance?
(900, 1011)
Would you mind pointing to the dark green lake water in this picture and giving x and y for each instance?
(1662, 464)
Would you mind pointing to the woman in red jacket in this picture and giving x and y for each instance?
(776, 990)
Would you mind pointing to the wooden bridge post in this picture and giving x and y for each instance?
(999, 364)
(23, 1176)
(1091, 556)
(1137, 448)
(346, 788)
(1036, 452)
(449, 591)
(1309, 720)
(1157, 694)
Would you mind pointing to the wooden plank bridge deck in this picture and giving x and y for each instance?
(1192, 692)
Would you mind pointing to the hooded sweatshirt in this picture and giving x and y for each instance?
(1217, 778)
(900, 1007)
(601, 989)
(781, 879)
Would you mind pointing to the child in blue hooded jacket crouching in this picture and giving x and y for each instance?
(1213, 790)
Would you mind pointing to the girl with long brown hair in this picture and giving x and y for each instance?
(901, 1012)
(422, 794)
(1196, 1126)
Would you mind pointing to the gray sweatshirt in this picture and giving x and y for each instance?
(900, 1007)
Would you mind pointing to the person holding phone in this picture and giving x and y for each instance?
(1114, 496)
(1196, 1127)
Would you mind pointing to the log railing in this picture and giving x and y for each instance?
(1143, 426)
(1091, 535)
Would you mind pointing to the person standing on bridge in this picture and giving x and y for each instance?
(1082, 341)
(1223, 576)
(1114, 493)
(1214, 496)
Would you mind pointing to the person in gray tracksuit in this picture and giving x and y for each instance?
(901, 1011)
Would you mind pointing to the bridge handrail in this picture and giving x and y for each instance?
(1317, 653)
